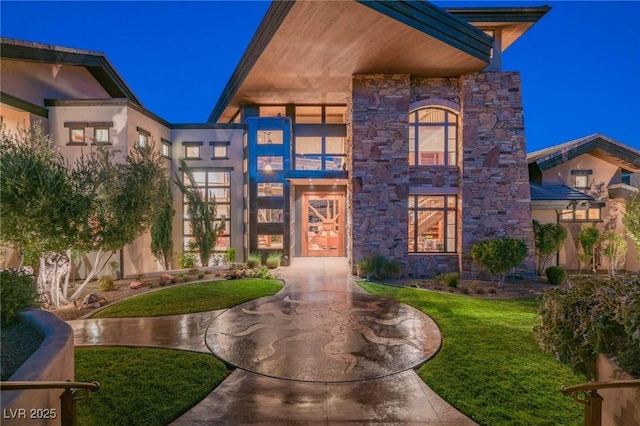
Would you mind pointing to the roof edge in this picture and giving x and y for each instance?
(278, 10)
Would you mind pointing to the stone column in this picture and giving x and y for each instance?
(496, 200)
(378, 166)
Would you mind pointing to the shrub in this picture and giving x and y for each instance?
(500, 255)
(493, 290)
(451, 279)
(274, 259)
(106, 283)
(17, 292)
(549, 238)
(464, 290)
(254, 260)
(236, 272)
(555, 275)
(231, 255)
(200, 276)
(187, 260)
(378, 267)
(592, 316)
(162, 283)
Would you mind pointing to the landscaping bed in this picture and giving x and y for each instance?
(17, 343)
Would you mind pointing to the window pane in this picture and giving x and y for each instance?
(431, 230)
(334, 145)
(192, 151)
(308, 114)
(309, 145)
(200, 178)
(270, 137)
(335, 162)
(77, 135)
(142, 140)
(218, 178)
(270, 163)
(582, 181)
(272, 111)
(431, 115)
(308, 162)
(335, 114)
(451, 232)
(270, 190)
(594, 214)
(269, 215)
(166, 150)
(220, 151)
(431, 145)
(270, 241)
(430, 201)
(221, 195)
(101, 135)
(580, 215)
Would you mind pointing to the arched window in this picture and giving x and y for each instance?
(433, 137)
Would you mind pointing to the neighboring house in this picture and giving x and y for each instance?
(347, 129)
(581, 183)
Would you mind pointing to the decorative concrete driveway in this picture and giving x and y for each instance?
(321, 351)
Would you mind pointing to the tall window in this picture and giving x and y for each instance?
(433, 137)
(212, 185)
(432, 224)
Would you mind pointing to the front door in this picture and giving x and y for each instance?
(323, 215)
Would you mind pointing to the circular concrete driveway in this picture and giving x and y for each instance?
(323, 336)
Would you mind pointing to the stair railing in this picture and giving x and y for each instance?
(592, 400)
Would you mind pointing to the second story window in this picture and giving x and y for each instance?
(166, 148)
(581, 179)
(76, 135)
(220, 150)
(433, 137)
(101, 135)
(192, 150)
(143, 138)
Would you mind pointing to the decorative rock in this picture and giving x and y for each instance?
(166, 277)
(135, 284)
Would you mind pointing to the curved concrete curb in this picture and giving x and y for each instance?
(52, 361)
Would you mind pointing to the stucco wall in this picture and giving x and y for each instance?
(620, 406)
(496, 200)
(35, 82)
(53, 361)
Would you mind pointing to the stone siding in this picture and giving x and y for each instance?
(434, 179)
(496, 199)
(379, 166)
(443, 91)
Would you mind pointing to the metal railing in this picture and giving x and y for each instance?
(68, 397)
(592, 399)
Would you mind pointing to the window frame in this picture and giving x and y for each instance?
(446, 210)
(323, 154)
(447, 127)
(217, 145)
(95, 135)
(189, 146)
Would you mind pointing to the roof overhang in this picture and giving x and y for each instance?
(95, 62)
(596, 145)
(512, 21)
(622, 190)
(558, 197)
(306, 52)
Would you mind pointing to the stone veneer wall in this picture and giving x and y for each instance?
(378, 164)
(496, 200)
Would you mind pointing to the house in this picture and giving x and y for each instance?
(585, 182)
(354, 128)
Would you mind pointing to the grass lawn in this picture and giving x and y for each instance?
(490, 366)
(143, 386)
(199, 297)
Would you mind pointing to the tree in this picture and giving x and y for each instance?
(51, 208)
(202, 215)
(631, 220)
(588, 239)
(614, 249)
(549, 239)
(500, 255)
(162, 227)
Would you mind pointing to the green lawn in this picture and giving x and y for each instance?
(199, 297)
(490, 366)
(143, 386)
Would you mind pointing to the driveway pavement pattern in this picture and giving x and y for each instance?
(321, 351)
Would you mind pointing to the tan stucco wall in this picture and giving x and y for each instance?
(14, 118)
(34, 82)
(619, 406)
(603, 172)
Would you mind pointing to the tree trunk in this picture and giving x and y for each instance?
(97, 267)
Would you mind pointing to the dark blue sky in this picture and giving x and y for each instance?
(580, 64)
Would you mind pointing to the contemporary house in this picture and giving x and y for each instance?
(349, 128)
(585, 182)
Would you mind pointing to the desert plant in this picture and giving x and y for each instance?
(187, 260)
(274, 259)
(555, 275)
(549, 239)
(451, 279)
(498, 256)
(17, 292)
(106, 283)
(378, 267)
(254, 260)
(200, 276)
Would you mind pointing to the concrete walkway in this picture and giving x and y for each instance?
(321, 351)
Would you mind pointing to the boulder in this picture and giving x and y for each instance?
(137, 284)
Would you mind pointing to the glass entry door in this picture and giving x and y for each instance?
(323, 215)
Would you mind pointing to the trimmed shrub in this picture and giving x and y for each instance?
(594, 315)
(17, 292)
(106, 283)
(555, 275)
(378, 268)
(254, 260)
(498, 256)
(274, 259)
